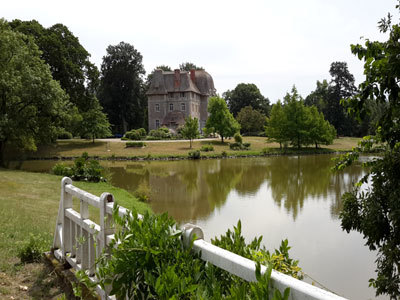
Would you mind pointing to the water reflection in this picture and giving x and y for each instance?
(192, 190)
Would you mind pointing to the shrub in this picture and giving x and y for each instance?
(64, 135)
(124, 139)
(235, 146)
(83, 169)
(246, 145)
(135, 144)
(195, 154)
(132, 135)
(207, 148)
(32, 251)
(147, 260)
(142, 132)
(224, 153)
(160, 133)
(238, 138)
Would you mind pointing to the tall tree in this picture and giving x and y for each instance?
(251, 121)
(221, 120)
(375, 212)
(246, 94)
(277, 124)
(327, 98)
(95, 123)
(122, 90)
(68, 60)
(297, 117)
(191, 129)
(33, 106)
(321, 132)
(187, 66)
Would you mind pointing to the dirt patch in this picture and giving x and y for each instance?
(31, 281)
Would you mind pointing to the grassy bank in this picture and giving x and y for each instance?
(117, 149)
(29, 206)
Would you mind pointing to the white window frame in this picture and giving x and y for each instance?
(157, 107)
(183, 107)
(157, 124)
(171, 107)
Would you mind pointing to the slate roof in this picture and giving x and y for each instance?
(164, 82)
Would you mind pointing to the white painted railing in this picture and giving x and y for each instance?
(79, 241)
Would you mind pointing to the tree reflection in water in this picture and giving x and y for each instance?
(192, 190)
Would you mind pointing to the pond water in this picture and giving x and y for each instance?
(287, 197)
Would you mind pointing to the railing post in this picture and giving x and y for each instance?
(84, 243)
(66, 202)
(191, 232)
(106, 222)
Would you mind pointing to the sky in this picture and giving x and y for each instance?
(273, 44)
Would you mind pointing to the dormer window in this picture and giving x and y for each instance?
(171, 106)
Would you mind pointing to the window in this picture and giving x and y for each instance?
(157, 107)
(171, 106)
(157, 124)
(182, 95)
(183, 106)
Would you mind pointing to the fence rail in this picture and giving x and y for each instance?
(79, 241)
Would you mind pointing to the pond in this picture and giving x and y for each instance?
(285, 197)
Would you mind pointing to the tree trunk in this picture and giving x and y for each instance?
(190, 143)
(124, 125)
(2, 149)
(316, 146)
(222, 138)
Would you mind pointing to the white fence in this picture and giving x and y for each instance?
(79, 241)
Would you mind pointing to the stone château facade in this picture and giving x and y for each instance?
(173, 96)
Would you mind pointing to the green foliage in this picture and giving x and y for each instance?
(187, 66)
(68, 60)
(251, 121)
(327, 98)
(221, 120)
(94, 122)
(34, 107)
(84, 169)
(64, 135)
(194, 154)
(246, 94)
(135, 144)
(298, 124)
(122, 89)
(375, 211)
(191, 129)
(147, 260)
(224, 153)
(32, 251)
(159, 134)
(239, 146)
(133, 135)
(207, 148)
(277, 124)
(238, 138)
(234, 241)
(142, 132)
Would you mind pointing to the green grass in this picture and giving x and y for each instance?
(178, 149)
(29, 205)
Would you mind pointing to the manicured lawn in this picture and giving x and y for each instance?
(68, 148)
(29, 206)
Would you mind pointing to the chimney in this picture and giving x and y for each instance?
(193, 75)
(177, 81)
